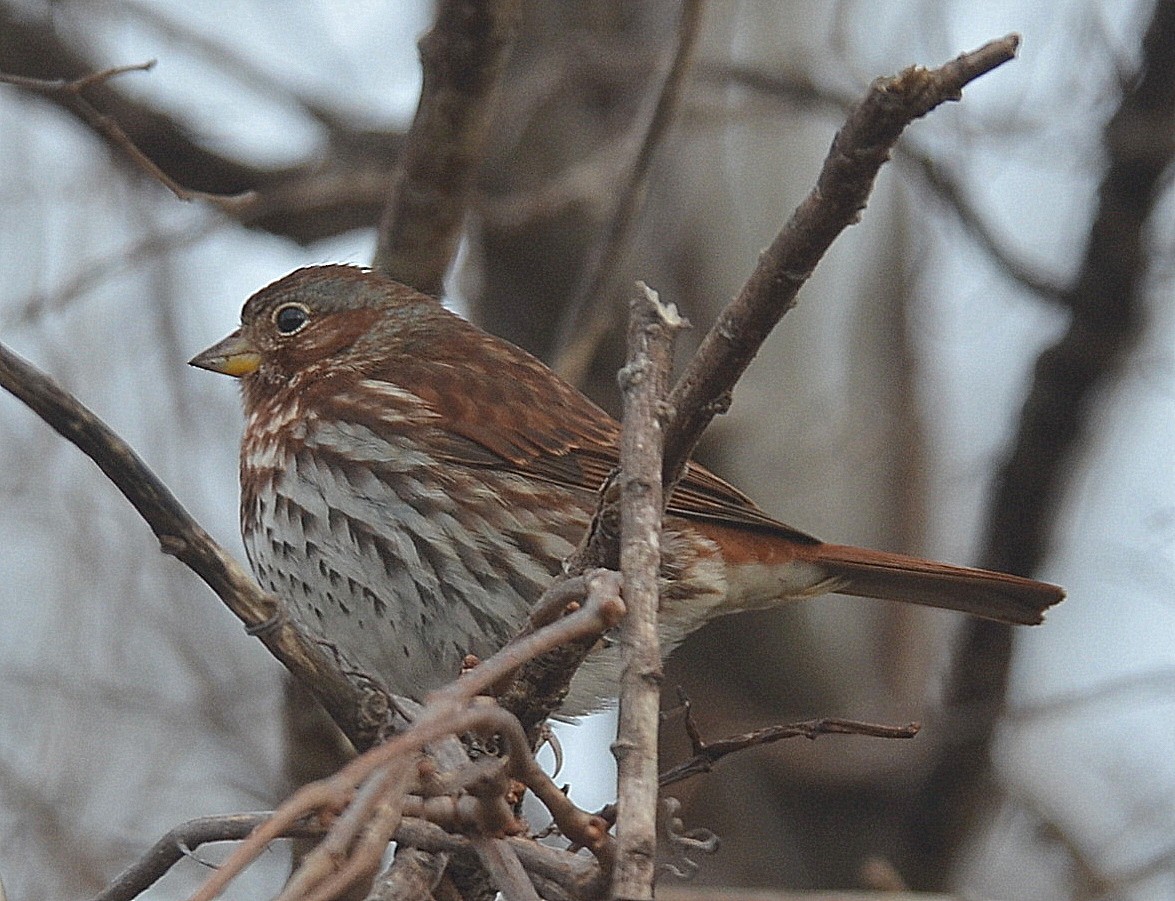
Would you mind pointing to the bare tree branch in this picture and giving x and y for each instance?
(860, 148)
(72, 94)
(344, 190)
(708, 753)
(505, 870)
(799, 90)
(644, 381)
(181, 841)
(360, 711)
(463, 57)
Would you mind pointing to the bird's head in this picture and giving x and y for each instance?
(320, 318)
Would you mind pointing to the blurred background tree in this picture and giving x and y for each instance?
(1032, 216)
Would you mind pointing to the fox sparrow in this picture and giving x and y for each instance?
(411, 484)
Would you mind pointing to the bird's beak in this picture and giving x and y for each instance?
(233, 356)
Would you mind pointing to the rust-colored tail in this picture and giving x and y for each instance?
(896, 577)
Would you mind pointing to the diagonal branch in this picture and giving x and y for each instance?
(359, 711)
(310, 200)
(858, 152)
(71, 94)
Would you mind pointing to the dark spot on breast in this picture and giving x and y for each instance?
(377, 603)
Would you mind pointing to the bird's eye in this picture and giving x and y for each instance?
(291, 318)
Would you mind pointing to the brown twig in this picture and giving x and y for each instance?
(706, 754)
(463, 58)
(360, 711)
(860, 148)
(644, 381)
(589, 315)
(307, 201)
(796, 89)
(505, 870)
(181, 841)
(71, 92)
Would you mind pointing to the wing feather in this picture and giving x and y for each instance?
(507, 410)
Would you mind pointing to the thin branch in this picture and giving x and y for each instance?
(345, 189)
(463, 58)
(706, 754)
(942, 182)
(71, 94)
(590, 313)
(858, 152)
(644, 381)
(684, 844)
(360, 712)
(181, 841)
(344, 856)
(798, 90)
(505, 870)
(73, 87)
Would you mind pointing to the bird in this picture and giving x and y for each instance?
(411, 484)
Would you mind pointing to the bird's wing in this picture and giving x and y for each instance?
(508, 411)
